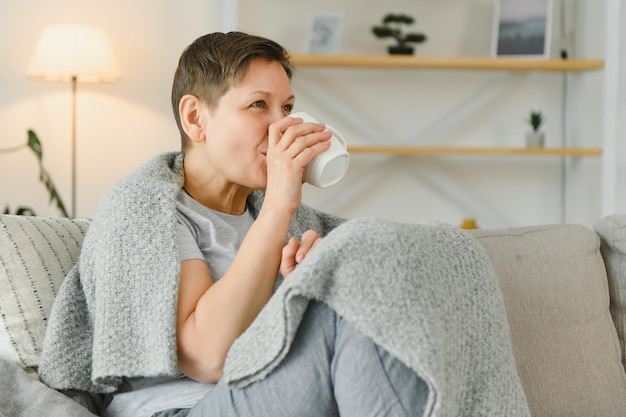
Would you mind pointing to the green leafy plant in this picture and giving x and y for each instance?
(392, 27)
(536, 120)
(34, 145)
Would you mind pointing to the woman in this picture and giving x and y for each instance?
(231, 98)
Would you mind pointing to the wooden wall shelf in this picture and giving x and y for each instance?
(444, 63)
(448, 150)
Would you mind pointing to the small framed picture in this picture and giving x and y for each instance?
(325, 35)
(522, 28)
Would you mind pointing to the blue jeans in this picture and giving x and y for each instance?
(332, 369)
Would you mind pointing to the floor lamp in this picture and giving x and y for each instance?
(69, 52)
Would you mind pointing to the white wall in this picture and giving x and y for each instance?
(121, 125)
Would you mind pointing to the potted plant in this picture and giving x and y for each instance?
(34, 144)
(392, 28)
(535, 138)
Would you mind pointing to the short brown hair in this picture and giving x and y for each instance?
(213, 63)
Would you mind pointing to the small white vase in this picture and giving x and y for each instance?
(535, 139)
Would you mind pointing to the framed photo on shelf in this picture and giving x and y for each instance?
(325, 35)
(522, 28)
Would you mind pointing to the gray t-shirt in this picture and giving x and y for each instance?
(202, 233)
(210, 235)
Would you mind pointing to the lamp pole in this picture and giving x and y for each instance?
(69, 52)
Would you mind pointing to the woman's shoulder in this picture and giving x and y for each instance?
(148, 192)
(163, 174)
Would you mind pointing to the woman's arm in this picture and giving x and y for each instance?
(212, 315)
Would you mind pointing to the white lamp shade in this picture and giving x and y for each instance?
(68, 50)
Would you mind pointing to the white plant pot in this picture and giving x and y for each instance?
(535, 139)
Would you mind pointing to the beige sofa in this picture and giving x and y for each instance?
(567, 315)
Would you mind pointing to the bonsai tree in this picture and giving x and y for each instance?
(392, 28)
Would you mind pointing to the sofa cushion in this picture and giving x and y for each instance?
(612, 232)
(21, 396)
(35, 255)
(556, 296)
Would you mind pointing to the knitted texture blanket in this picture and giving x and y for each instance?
(426, 293)
(114, 315)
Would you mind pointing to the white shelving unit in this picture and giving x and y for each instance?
(388, 62)
(427, 141)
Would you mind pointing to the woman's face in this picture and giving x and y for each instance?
(237, 128)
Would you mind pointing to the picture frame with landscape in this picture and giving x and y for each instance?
(522, 28)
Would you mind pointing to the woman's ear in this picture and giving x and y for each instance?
(190, 109)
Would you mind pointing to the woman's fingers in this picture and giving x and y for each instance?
(309, 239)
(277, 130)
(295, 252)
(298, 137)
(288, 262)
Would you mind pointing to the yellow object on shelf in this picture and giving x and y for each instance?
(469, 223)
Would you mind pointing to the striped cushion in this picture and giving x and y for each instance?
(35, 255)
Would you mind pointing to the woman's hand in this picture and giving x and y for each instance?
(294, 252)
(292, 145)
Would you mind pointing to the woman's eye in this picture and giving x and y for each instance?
(288, 108)
(259, 104)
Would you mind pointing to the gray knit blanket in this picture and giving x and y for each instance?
(114, 314)
(426, 293)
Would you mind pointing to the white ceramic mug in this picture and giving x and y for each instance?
(329, 167)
